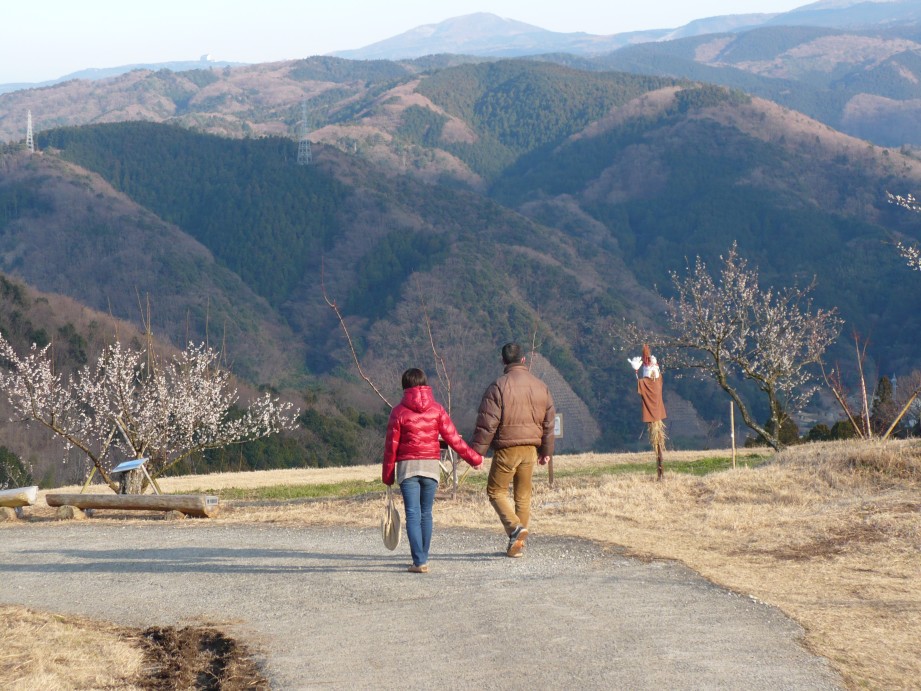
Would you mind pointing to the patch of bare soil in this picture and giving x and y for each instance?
(198, 657)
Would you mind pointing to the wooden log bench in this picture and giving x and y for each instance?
(201, 505)
(18, 497)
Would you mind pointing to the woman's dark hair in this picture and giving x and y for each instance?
(414, 377)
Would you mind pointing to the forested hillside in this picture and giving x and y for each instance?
(707, 168)
(865, 83)
(512, 199)
(261, 216)
(253, 100)
(387, 249)
(516, 107)
(66, 230)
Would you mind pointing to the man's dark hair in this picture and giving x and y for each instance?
(414, 377)
(511, 353)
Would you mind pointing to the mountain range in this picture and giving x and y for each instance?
(451, 203)
(855, 66)
(488, 35)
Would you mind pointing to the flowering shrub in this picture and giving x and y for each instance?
(131, 404)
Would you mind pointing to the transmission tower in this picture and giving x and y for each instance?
(303, 144)
(30, 140)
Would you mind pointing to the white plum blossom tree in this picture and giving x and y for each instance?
(907, 202)
(730, 330)
(910, 253)
(131, 404)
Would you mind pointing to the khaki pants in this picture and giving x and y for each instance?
(513, 466)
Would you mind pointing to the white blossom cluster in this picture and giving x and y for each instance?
(912, 255)
(729, 329)
(130, 404)
(907, 202)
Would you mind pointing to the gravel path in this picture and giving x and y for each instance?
(332, 608)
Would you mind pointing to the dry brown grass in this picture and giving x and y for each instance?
(51, 652)
(830, 534)
(251, 480)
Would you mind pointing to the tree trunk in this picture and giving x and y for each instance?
(131, 482)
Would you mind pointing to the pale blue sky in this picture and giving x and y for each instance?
(42, 41)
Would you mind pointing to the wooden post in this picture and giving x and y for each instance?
(656, 431)
(455, 459)
(732, 431)
(89, 479)
(557, 433)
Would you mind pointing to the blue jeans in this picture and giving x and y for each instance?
(418, 497)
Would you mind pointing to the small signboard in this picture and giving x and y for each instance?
(134, 464)
(125, 466)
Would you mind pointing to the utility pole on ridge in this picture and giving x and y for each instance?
(30, 140)
(303, 145)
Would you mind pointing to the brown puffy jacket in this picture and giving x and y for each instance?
(516, 410)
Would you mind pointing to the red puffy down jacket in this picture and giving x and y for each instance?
(413, 429)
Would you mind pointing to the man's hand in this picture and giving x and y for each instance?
(543, 460)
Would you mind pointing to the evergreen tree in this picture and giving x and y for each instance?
(13, 472)
(882, 410)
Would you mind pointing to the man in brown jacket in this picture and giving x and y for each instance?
(516, 419)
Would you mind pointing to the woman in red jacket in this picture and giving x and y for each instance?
(411, 457)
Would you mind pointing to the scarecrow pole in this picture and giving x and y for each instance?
(657, 438)
(732, 431)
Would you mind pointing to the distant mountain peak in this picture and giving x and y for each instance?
(481, 33)
(479, 22)
(488, 35)
(838, 4)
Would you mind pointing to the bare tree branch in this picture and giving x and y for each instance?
(861, 355)
(836, 386)
(905, 409)
(534, 342)
(441, 369)
(348, 338)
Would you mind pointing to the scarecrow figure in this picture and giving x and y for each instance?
(649, 387)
